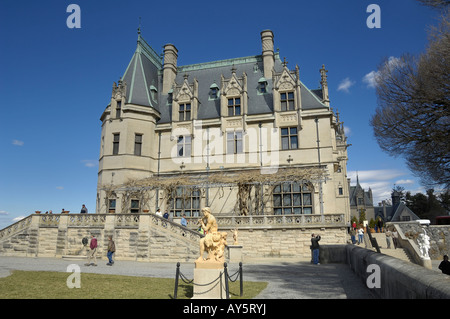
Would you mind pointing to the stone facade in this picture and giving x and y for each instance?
(221, 117)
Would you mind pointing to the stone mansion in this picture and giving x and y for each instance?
(243, 136)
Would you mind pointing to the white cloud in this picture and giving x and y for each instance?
(345, 85)
(347, 131)
(17, 142)
(370, 79)
(3, 212)
(404, 181)
(59, 187)
(18, 218)
(89, 163)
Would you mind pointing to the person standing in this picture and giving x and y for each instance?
(395, 238)
(360, 235)
(315, 248)
(92, 252)
(444, 266)
(183, 221)
(111, 251)
(84, 209)
(388, 238)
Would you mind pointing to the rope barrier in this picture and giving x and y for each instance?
(238, 274)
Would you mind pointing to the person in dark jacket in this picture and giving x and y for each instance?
(315, 248)
(444, 266)
(111, 251)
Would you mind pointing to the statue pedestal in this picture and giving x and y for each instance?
(234, 253)
(209, 281)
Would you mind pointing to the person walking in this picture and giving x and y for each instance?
(111, 251)
(183, 221)
(92, 254)
(315, 248)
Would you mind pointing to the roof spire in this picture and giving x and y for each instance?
(139, 27)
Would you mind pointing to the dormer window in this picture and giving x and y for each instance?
(262, 85)
(234, 106)
(287, 101)
(153, 91)
(118, 109)
(170, 96)
(185, 112)
(213, 91)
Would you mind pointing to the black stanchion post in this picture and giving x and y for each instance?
(241, 284)
(227, 291)
(175, 292)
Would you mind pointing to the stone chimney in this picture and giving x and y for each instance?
(170, 67)
(267, 53)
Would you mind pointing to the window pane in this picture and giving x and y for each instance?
(178, 203)
(288, 211)
(276, 200)
(286, 187)
(283, 96)
(297, 210)
(297, 200)
(306, 199)
(283, 105)
(285, 143)
(237, 101)
(291, 95)
(277, 189)
(296, 187)
(230, 102)
(293, 130)
(237, 110)
(239, 148)
(134, 203)
(287, 200)
(277, 211)
(307, 210)
(284, 132)
(294, 142)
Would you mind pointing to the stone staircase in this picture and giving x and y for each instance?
(399, 253)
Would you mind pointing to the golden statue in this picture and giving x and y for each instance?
(214, 242)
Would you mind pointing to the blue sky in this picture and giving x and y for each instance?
(55, 82)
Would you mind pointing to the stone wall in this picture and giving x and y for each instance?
(143, 237)
(147, 237)
(439, 237)
(288, 243)
(398, 279)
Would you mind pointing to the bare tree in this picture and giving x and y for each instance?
(413, 114)
(439, 4)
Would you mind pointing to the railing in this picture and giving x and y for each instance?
(14, 228)
(133, 221)
(263, 221)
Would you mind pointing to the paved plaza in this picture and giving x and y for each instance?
(287, 279)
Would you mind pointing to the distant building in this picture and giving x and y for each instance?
(397, 212)
(361, 200)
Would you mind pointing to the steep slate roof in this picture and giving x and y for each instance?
(144, 74)
(141, 76)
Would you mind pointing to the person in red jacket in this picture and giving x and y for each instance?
(93, 252)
